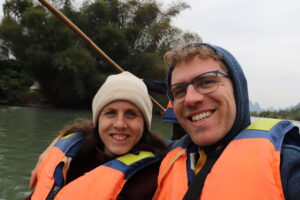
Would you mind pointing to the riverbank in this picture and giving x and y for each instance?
(33, 99)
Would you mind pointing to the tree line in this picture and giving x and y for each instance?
(134, 33)
(291, 114)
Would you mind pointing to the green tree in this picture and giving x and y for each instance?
(291, 114)
(134, 33)
(14, 82)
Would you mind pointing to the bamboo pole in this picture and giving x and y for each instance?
(71, 25)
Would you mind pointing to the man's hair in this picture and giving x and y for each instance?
(189, 52)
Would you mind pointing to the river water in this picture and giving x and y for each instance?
(26, 132)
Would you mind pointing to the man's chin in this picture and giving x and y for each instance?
(202, 140)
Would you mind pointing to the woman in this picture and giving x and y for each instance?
(115, 156)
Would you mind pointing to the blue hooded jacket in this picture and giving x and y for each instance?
(290, 154)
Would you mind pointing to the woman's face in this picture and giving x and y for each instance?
(121, 125)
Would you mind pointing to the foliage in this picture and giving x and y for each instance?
(134, 33)
(13, 81)
(291, 114)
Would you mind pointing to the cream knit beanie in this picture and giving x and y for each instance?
(123, 86)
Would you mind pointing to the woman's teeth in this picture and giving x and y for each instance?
(119, 137)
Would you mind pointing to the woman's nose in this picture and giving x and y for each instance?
(120, 122)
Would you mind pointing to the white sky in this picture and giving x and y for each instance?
(264, 36)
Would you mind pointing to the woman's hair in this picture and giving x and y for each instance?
(150, 141)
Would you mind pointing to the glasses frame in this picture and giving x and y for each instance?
(169, 92)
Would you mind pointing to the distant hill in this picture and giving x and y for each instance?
(255, 107)
(292, 107)
(297, 106)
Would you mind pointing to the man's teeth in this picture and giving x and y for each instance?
(119, 137)
(201, 116)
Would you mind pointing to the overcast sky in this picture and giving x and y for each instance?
(264, 36)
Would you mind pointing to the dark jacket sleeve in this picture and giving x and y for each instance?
(290, 165)
(159, 87)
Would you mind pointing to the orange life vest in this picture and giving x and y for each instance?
(103, 182)
(249, 167)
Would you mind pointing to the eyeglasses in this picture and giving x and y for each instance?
(205, 83)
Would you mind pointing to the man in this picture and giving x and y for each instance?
(220, 158)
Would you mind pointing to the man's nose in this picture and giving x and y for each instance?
(192, 96)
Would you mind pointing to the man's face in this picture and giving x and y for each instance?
(206, 118)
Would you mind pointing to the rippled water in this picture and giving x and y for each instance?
(24, 133)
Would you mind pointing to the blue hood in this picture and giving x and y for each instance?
(239, 81)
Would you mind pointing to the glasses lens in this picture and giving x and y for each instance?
(206, 83)
(178, 92)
